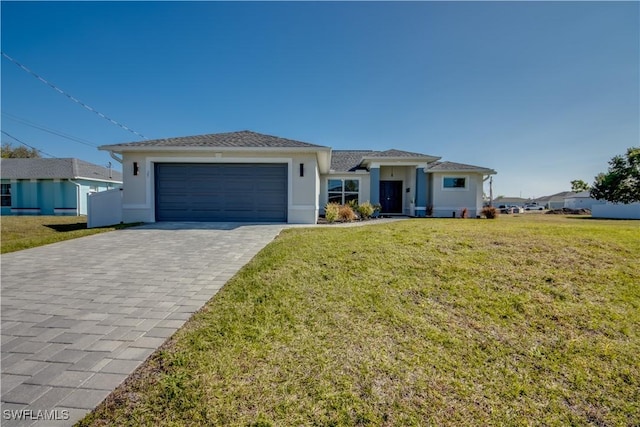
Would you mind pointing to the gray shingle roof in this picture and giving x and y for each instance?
(55, 168)
(350, 160)
(396, 153)
(242, 139)
(457, 167)
(347, 160)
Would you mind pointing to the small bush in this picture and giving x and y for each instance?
(346, 213)
(490, 212)
(365, 210)
(430, 210)
(464, 213)
(331, 212)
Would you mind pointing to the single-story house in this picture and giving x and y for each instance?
(581, 200)
(554, 201)
(247, 176)
(52, 186)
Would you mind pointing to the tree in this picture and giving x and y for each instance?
(578, 185)
(621, 184)
(11, 152)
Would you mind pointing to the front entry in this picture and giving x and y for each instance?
(391, 197)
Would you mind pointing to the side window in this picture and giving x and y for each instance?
(342, 191)
(5, 195)
(451, 182)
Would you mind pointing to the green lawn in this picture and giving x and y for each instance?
(23, 232)
(523, 320)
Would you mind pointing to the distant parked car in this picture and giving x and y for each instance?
(505, 209)
(517, 209)
(533, 207)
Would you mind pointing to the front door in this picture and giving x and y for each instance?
(391, 197)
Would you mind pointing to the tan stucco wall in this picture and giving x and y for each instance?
(139, 192)
(446, 201)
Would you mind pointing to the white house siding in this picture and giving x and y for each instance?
(138, 202)
(447, 201)
(581, 202)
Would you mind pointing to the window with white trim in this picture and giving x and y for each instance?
(454, 182)
(5, 195)
(343, 191)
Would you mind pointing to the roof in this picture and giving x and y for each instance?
(580, 195)
(458, 167)
(68, 168)
(351, 160)
(242, 139)
(556, 197)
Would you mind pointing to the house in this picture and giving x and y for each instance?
(554, 201)
(581, 200)
(247, 176)
(52, 186)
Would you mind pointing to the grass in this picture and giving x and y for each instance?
(23, 232)
(523, 320)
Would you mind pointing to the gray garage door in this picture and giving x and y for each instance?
(221, 192)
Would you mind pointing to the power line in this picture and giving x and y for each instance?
(71, 97)
(30, 146)
(46, 129)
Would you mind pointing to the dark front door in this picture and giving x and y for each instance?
(391, 196)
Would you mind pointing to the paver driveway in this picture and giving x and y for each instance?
(79, 316)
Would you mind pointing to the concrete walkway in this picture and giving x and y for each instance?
(79, 316)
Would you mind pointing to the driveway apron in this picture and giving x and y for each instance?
(79, 316)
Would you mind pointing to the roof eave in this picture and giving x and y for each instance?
(147, 148)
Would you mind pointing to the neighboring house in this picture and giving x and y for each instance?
(582, 200)
(555, 201)
(247, 176)
(52, 186)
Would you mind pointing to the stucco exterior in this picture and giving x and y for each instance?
(449, 202)
(402, 183)
(139, 190)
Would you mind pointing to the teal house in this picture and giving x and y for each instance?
(52, 186)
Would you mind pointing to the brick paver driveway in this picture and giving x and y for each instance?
(79, 316)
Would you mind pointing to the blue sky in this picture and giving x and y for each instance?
(542, 92)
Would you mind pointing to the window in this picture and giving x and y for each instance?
(5, 195)
(454, 182)
(343, 191)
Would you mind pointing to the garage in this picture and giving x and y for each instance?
(221, 192)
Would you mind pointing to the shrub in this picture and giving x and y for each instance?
(464, 213)
(331, 211)
(430, 210)
(365, 210)
(346, 213)
(490, 212)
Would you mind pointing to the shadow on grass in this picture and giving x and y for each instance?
(64, 228)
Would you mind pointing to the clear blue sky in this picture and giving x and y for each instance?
(543, 92)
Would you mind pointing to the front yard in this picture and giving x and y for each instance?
(525, 320)
(24, 232)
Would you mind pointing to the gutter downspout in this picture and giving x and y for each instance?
(78, 188)
(490, 188)
(114, 157)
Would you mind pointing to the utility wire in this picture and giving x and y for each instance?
(46, 129)
(71, 97)
(30, 146)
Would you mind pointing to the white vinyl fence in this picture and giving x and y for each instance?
(104, 208)
(630, 211)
